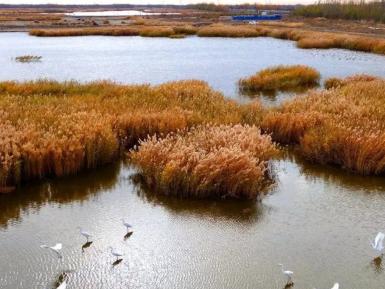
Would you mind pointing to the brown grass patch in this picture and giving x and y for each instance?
(335, 82)
(105, 31)
(281, 78)
(207, 162)
(156, 32)
(305, 39)
(343, 126)
(49, 128)
(185, 30)
(228, 31)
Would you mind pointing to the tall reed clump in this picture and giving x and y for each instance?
(281, 78)
(207, 162)
(305, 39)
(344, 126)
(156, 32)
(335, 82)
(49, 128)
(103, 31)
(228, 31)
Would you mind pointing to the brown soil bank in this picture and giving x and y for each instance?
(344, 126)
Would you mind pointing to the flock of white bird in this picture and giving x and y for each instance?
(59, 246)
(377, 244)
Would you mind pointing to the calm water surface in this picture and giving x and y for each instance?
(219, 61)
(316, 220)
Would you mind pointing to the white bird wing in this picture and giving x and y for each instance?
(62, 285)
(289, 272)
(336, 286)
(379, 240)
(57, 247)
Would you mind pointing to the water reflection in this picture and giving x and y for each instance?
(376, 264)
(61, 191)
(245, 211)
(334, 175)
(128, 235)
(273, 97)
(86, 246)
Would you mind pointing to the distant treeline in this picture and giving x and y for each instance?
(200, 6)
(352, 10)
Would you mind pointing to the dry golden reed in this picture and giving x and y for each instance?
(228, 31)
(49, 128)
(281, 78)
(156, 32)
(305, 38)
(207, 162)
(344, 126)
(335, 82)
(103, 31)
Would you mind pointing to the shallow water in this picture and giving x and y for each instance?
(316, 220)
(219, 61)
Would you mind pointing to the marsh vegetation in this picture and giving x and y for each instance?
(208, 162)
(305, 39)
(342, 126)
(28, 58)
(54, 129)
(281, 78)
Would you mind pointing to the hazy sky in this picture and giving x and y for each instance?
(152, 1)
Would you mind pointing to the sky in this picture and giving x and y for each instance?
(152, 1)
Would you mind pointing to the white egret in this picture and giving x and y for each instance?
(378, 243)
(55, 248)
(127, 225)
(115, 253)
(288, 274)
(84, 233)
(336, 286)
(63, 285)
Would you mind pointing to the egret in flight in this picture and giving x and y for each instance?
(378, 243)
(288, 274)
(85, 234)
(55, 248)
(115, 253)
(127, 225)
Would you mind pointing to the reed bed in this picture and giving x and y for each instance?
(281, 78)
(344, 126)
(103, 31)
(49, 128)
(185, 30)
(282, 24)
(156, 32)
(228, 31)
(335, 82)
(305, 39)
(28, 58)
(207, 162)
